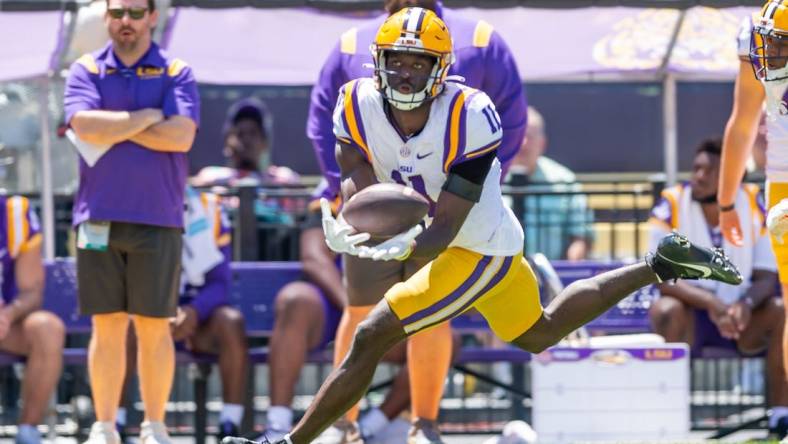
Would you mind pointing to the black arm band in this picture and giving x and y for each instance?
(462, 187)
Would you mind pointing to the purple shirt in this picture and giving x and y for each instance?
(482, 57)
(131, 183)
(214, 292)
(21, 232)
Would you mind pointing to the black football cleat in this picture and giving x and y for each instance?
(678, 258)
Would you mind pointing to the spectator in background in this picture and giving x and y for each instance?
(134, 112)
(205, 322)
(25, 329)
(748, 317)
(486, 63)
(557, 223)
(247, 146)
(307, 314)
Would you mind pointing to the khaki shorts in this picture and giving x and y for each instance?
(139, 273)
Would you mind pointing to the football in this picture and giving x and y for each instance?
(384, 210)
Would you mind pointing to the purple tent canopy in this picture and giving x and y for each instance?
(30, 41)
(288, 46)
(247, 46)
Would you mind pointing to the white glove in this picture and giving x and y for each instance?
(398, 247)
(777, 220)
(339, 235)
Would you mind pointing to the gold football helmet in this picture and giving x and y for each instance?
(769, 42)
(416, 31)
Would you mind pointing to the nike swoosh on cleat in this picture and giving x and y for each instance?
(703, 269)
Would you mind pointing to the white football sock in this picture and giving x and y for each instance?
(231, 412)
(372, 422)
(279, 418)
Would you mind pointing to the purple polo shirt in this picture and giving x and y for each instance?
(482, 57)
(20, 231)
(131, 183)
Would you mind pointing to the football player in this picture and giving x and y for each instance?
(763, 50)
(484, 60)
(409, 125)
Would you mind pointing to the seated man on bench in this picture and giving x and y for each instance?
(748, 318)
(25, 329)
(205, 323)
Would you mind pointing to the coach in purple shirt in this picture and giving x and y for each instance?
(483, 59)
(138, 109)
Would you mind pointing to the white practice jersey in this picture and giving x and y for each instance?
(776, 113)
(462, 125)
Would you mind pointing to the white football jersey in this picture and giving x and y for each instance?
(462, 125)
(776, 114)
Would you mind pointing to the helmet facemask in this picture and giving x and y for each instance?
(433, 86)
(769, 53)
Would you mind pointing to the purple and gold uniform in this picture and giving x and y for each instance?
(482, 58)
(21, 232)
(214, 292)
(483, 266)
(131, 183)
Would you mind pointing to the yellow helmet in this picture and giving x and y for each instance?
(418, 31)
(769, 42)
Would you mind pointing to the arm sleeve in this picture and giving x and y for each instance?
(502, 83)
(81, 93)
(320, 123)
(474, 170)
(182, 98)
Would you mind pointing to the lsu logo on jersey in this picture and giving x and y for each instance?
(149, 72)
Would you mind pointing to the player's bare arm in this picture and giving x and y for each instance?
(463, 188)
(450, 213)
(356, 172)
(740, 133)
(29, 274)
(173, 135)
(103, 127)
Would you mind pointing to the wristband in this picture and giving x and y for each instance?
(725, 208)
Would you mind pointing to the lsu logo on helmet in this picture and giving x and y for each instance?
(418, 31)
(769, 41)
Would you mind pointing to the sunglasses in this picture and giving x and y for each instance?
(134, 13)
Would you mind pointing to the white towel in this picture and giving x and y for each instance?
(200, 253)
(90, 153)
(693, 224)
